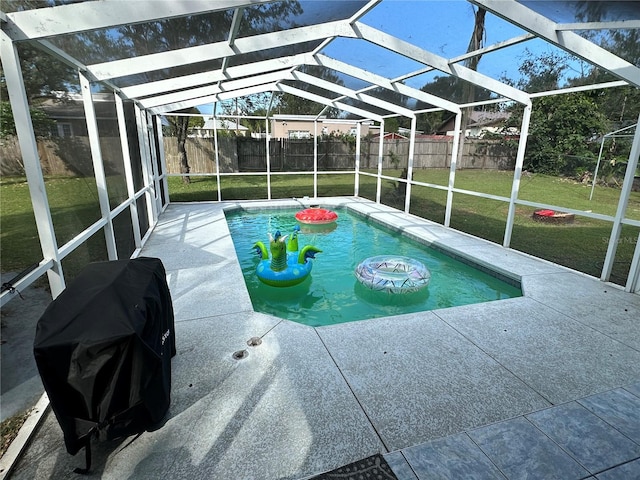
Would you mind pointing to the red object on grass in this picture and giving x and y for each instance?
(316, 216)
(545, 213)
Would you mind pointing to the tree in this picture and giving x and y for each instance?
(295, 105)
(391, 124)
(542, 72)
(181, 32)
(563, 127)
(172, 34)
(562, 133)
(453, 89)
(249, 105)
(469, 89)
(42, 75)
(617, 104)
(179, 127)
(429, 122)
(287, 103)
(41, 122)
(256, 125)
(459, 91)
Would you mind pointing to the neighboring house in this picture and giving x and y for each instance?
(303, 126)
(67, 111)
(479, 124)
(206, 131)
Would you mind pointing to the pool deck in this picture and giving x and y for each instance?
(542, 386)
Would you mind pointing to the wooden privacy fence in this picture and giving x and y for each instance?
(201, 154)
(291, 155)
(69, 156)
(72, 156)
(436, 153)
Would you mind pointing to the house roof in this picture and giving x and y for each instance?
(481, 118)
(222, 124)
(302, 118)
(70, 107)
(392, 136)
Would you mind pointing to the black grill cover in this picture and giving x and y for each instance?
(103, 349)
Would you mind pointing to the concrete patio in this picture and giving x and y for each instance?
(543, 386)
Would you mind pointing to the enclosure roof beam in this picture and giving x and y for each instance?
(233, 33)
(218, 97)
(493, 48)
(581, 88)
(396, 45)
(628, 127)
(347, 92)
(616, 25)
(206, 78)
(325, 101)
(213, 51)
(81, 17)
(364, 10)
(216, 88)
(383, 82)
(67, 59)
(194, 102)
(542, 27)
(354, 17)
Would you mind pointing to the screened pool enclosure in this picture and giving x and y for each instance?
(367, 64)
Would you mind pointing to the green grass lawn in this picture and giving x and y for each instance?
(254, 187)
(580, 245)
(74, 207)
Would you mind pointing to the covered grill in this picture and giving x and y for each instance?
(103, 349)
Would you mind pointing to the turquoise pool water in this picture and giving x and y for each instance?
(331, 294)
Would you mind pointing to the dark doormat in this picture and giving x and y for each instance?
(370, 468)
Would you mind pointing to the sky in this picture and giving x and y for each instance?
(442, 27)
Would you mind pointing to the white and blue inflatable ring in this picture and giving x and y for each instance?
(393, 274)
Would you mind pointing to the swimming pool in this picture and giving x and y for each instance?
(332, 294)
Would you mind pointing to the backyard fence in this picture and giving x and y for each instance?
(72, 156)
(69, 156)
(292, 155)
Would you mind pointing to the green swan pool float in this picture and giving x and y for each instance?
(287, 266)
